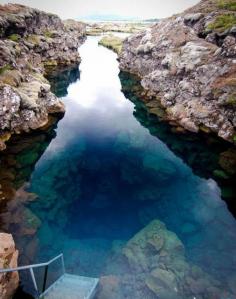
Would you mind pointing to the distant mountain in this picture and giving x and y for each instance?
(108, 18)
(152, 20)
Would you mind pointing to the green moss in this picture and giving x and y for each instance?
(231, 101)
(14, 37)
(112, 42)
(220, 174)
(33, 39)
(50, 63)
(223, 23)
(227, 4)
(48, 34)
(4, 69)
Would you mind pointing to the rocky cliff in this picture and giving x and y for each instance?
(187, 65)
(8, 258)
(31, 42)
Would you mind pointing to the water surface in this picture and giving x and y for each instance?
(104, 177)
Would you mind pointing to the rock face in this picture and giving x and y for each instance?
(187, 63)
(31, 42)
(8, 259)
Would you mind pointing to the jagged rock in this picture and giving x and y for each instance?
(30, 41)
(189, 66)
(8, 259)
(157, 257)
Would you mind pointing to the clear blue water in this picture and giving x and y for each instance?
(104, 177)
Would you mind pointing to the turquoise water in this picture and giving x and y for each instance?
(104, 177)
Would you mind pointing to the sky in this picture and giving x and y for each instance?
(143, 9)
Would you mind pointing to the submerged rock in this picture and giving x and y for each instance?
(188, 66)
(157, 257)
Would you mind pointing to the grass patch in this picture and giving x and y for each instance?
(112, 42)
(227, 4)
(14, 37)
(5, 68)
(33, 39)
(223, 23)
(231, 101)
(48, 34)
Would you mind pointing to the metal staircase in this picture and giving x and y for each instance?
(67, 286)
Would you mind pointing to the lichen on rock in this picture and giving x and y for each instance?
(31, 42)
(187, 62)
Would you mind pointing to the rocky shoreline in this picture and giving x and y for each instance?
(32, 42)
(187, 65)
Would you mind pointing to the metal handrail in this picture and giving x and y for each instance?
(31, 269)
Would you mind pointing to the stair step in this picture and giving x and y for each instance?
(72, 287)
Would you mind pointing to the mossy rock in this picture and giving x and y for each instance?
(48, 34)
(5, 68)
(28, 158)
(33, 39)
(220, 174)
(11, 77)
(223, 23)
(228, 161)
(227, 4)
(112, 42)
(14, 37)
(231, 101)
(50, 63)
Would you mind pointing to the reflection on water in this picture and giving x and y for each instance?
(208, 156)
(121, 205)
(61, 78)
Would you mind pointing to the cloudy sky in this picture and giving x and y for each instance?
(135, 8)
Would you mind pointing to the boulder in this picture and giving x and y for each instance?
(8, 259)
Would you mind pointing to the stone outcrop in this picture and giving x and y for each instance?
(8, 259)
(159, 256)
(31, 43)
(187, 64)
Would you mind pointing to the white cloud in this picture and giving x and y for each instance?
(139, 8)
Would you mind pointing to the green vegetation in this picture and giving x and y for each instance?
(223, 22)
(112, 42)
(50, 63)
(33, 39)
(14, 37)
(231, 100)
(48, 34)
(227, 4)
(4, 69)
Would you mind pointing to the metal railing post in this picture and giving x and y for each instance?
(34, 281)
(45, 278)
(63, 264)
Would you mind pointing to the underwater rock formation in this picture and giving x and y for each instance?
(32, 42)
(156, 267)
(187, 66)
(8, 258)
